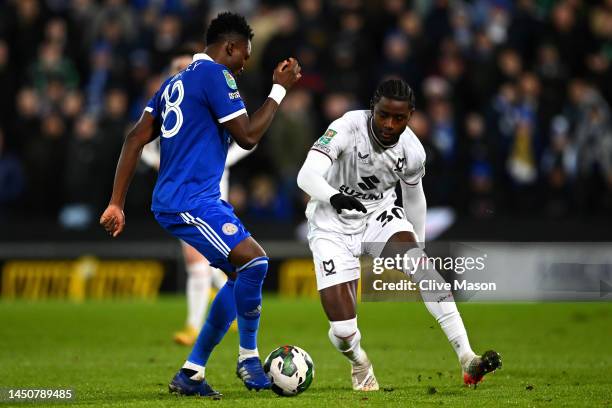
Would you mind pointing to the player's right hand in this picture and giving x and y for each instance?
(113, 220)
(343, 202)
(287, 73)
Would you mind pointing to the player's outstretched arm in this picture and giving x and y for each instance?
(113, 219)
(415, 207)
(248, 131)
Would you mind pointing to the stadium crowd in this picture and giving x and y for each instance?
(513, 97)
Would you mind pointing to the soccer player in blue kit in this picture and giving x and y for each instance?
(197, 113)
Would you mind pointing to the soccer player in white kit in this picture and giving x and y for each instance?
(350, 174)
(200, 275)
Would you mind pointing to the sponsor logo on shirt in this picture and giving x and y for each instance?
(359, 195)
(321, 147)
(234, 95)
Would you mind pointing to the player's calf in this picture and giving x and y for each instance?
(346, 337)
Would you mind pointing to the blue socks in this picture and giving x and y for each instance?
(222, 314)
(241, 299)
(247, 294)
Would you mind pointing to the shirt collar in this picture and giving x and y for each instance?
(201, 56)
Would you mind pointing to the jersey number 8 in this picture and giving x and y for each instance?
(173, 106)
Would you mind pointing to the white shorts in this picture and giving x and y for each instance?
(336, 256)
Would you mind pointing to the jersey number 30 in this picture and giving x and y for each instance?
(172, 96)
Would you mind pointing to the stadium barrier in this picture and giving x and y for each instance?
(83, 278)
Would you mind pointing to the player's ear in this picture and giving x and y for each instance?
(229, 47)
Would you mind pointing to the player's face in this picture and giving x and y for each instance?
(390, 119)
(241, 52)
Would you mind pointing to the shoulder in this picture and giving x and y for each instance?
(350, 122)
(412, 143)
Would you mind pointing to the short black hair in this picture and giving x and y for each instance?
(397, 89)
(226, 24)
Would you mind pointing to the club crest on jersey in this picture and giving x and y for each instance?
(399, 166)
(327, 136)
(229, 228)
(229, 79)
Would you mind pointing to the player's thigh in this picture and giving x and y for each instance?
(334, 261)
(388, 228)
(245, 251)
(213, 230)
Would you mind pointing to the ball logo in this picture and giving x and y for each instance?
(229, 229)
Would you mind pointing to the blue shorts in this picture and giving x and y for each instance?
(213, 229)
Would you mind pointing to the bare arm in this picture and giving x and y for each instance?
(248, 131)
(113, 219)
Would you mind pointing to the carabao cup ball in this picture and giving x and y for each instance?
(290, 370)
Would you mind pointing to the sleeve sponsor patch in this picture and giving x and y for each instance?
(234, 95)
(229, 79)
(327, 137)
(321, 147)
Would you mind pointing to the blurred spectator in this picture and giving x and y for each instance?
(291, 136)
(559, 169)
(267, 202)
(84, 165)
(593, 139)
(476, 165)
(8, 79)
(45, 160)
(12, 180)
(491, 80)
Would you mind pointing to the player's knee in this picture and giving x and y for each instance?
(255, 270)
(246, 251)
(344, 334)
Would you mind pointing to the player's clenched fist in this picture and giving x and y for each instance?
(343, 202)
(287, 73)
(113, 220)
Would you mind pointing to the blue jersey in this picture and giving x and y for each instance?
(191, 107)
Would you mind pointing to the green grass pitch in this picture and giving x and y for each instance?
(120, 354)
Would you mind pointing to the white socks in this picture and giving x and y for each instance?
(218, 277)
(442, 307)
(199, 375)
(198, 291)
(243, 354)
(345, 336)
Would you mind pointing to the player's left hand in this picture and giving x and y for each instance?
(113, 220)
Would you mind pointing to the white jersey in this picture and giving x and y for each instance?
(364, 169)
(151, 152)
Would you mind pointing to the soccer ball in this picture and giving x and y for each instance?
(290, 370)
